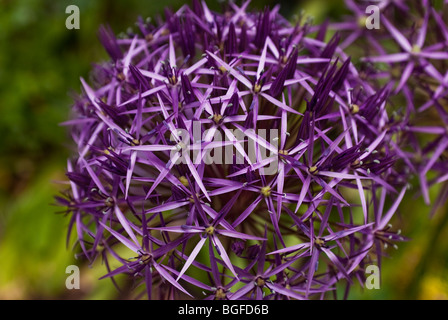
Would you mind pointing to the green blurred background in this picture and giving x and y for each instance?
(40, 65)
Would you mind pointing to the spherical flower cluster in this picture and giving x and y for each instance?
(239, 156)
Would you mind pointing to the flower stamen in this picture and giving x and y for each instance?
(266, 191)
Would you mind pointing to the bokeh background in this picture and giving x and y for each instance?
(40, 66)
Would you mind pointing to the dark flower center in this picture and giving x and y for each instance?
(109, 202)
(217, 118)
(260, 282)
(266, 191)
(313, 170)
(146, 258)
(210, 230)
(354, 108)
(220, 294)
(319, 242)
(192, 198)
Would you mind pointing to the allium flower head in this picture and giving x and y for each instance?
(234, 147)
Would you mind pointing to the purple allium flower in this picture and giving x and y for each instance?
(301, 196)
(415, 53)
